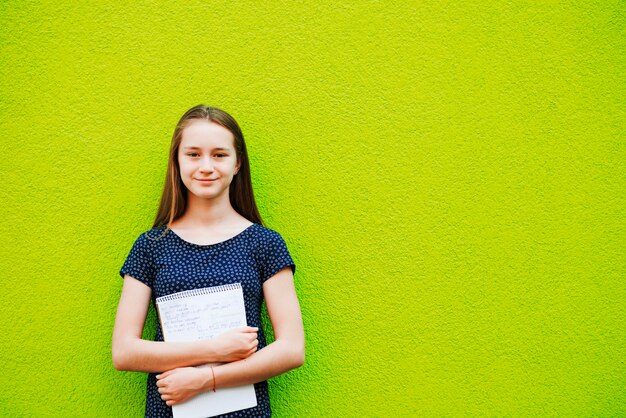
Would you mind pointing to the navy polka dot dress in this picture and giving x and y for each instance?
(168, 264)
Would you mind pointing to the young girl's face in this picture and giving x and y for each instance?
(207, 159)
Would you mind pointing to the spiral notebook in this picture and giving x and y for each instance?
(202, 314)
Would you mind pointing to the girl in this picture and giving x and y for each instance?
(208, 232)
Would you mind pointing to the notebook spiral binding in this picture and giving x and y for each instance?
(196, 292)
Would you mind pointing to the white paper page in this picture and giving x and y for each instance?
(203, 314)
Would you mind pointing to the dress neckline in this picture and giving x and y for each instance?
(215, 244)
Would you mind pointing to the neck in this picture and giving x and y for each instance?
(208, 212)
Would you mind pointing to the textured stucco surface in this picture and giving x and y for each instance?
(449, 177)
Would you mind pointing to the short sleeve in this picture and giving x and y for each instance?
(139, 262)
(274, 255)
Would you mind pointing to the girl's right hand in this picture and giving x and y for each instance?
(236, 344)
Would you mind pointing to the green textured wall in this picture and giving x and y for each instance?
(449, 177)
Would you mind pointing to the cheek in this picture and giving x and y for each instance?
(185, 174)
(185, 167)
(234, 166)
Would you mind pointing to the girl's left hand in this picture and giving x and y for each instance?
(179, 385)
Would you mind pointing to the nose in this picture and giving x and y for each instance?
(207, 165)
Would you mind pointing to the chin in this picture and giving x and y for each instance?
(203, 194)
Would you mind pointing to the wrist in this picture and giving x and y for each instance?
(209, 380)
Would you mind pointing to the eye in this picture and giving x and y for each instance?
(192, 154)
(221, 155)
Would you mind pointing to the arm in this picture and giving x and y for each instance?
(131, 353)
(284, 354)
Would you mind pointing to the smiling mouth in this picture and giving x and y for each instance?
(206, 180)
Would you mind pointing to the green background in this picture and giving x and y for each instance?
(448, 176)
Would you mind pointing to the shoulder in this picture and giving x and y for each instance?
(272, 253)
(270, 242)
(147, 239)
(155, 233)
(267, 235)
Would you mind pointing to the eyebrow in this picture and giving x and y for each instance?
(214, 149)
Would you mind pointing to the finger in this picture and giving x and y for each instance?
(170, 403)
(166, 397)
(162, 375)
(249, 329)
